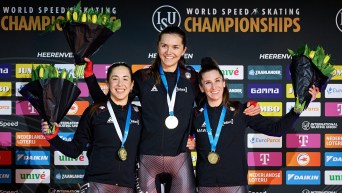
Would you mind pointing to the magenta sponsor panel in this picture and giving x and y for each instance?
(333, 109)
(84, 89)
(5, 139)
(303, 140)
(264, 159)
(24, 108)
(100, 70)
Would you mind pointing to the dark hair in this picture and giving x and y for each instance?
(209, 64)
(155, 65)
(109, 71)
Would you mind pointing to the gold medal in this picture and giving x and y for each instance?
(122, 153)
(213, 157)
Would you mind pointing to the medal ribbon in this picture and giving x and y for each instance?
(213, 140)
(116, 124)
(170, 103)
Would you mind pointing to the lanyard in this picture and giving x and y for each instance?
(213, 140)
(170, 103)
(116, 124)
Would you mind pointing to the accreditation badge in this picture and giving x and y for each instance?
(122, 154)
(171, 122)
(213, 157)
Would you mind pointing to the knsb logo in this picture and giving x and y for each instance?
(271, 109)
(339, 20)
(61, 159)
(333, 159)
(263, 141)
(164, 16)
(32, 176)
(303, 158)
(303, 140)
(264, 159)
(303, 177)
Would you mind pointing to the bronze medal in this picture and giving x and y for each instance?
(213, 157)
(122, 154)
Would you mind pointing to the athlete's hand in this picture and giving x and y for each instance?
(313, 91)
(252, 109)
(47, 132)
(191, 143)
(88, 70)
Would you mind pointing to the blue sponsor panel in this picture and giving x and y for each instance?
(235, 91)
(66, 136)
(68, 176)
(5, 70)
(259, 72)
(333, 159)
(5, 176)
(264, 91)
(303, 177)
(26, 157)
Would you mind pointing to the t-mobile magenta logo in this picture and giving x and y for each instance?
(339, 109)
(264, 158)
(303, 140)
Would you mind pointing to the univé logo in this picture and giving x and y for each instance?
(32, 176)
(164, 16)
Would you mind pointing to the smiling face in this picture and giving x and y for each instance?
(170, 50)
(120, 84)
(213, 85)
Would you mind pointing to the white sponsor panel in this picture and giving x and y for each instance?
(333, 177)
(61, 159)
(333, 91)
(256, 140)
(313, 110)
(5, 107)
(232, 72)
(18, 86)
(32, 176)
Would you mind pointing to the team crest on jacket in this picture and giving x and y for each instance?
(102, 107)
(154, 88)
(188, 75)
(110, 120)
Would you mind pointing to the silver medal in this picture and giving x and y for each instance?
(171, 122)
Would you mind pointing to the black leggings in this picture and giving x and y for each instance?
(226, 189)
(107, 188)
(176, 172)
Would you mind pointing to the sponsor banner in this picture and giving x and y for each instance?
(259, 72)
(25, 108)
(337, 73)
(264, 177)
(333, 158)
(333, 177)
(303, 159)
(288, 73)
(5, 107)
(264, 90)
(5, 138)
(27, 157)
(104, 87)
(61, 159)
(9, 124)
(333, 109)
(235, 90)
(5, 89)
(303, 177)
(18, 87)
(271, 109)
(30, 139)
(5, 157)
(32, 176)
(68, 67)
(232, 72)
(5, 176)
(194, 158)
(256, 140)
(84, 89)
(303, 140)
(290, 92)
(136, 67)
(264, 159)
(6, 70)
(66, 136)
(68, 176)
(78, 108)
(313, 110)
(333, 91)
(25, 70)
(100, 70)
(68, 124)
(306, 125)
(333, 140)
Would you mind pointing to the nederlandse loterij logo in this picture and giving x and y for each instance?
(339, 20)
(164, 16)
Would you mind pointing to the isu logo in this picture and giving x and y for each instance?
(164, 16)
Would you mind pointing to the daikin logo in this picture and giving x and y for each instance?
(164, 16)
(333, 159)
(303, 177)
